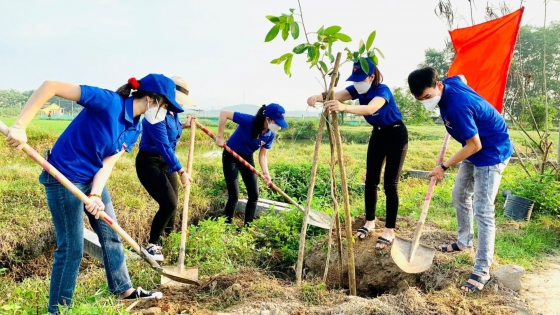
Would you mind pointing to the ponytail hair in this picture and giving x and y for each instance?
(258, 123)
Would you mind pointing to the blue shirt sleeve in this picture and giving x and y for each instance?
(242, 119)
(158, 134)
(268, 144)
(95, 98)
(353, 92)
(384, 92)
(462, 121)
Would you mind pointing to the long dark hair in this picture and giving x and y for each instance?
(258, 123)
(378, 77)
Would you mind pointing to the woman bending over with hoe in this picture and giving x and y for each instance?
(85, 153)
(388, 143)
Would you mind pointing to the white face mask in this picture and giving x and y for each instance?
(362, 87)
(430, 104)
(274, 127)
(155, 115)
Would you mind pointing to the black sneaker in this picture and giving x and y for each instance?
(155, 251)
(142, 294)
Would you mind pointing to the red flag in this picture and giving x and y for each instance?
(484, 54)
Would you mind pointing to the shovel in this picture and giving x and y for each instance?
(190, 273)
(114, 225)
(411, 256)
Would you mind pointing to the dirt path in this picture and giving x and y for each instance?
(541, 289)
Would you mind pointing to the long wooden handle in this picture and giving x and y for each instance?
(426, 205)
(253, 169)
(186, 201)
(77, 192)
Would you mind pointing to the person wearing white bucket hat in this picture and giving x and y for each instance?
(157, 165)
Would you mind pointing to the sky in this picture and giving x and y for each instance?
(217, 46)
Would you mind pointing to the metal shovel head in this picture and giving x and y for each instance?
(166, 272)
(422, 260)
(170, 275)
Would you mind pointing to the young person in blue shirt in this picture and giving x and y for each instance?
(252, 133)
(388, 143)
(86, 153)
(483, 133)
(157, 165)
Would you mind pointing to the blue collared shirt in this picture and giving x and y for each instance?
(103, 128)
(466, 114)
(162, 138)
(242, 142)
(388, 115)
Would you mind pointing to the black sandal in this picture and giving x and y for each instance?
(476, 284)
(383, 241)
(445, 248)
(364, 232)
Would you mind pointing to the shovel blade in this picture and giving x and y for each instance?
(422, 260)
(171, 276)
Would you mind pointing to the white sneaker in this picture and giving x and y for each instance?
(155, 251)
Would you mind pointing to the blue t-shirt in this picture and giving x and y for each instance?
(241, 141)
(465, 114)
(388, 115)
(104, 127)
(162, 138)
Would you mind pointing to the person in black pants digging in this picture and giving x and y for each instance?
(252, 133)
(388, 143)
(157, 164)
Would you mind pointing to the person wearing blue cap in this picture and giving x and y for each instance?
(86, 153)
(252, 133)
(388, 143)
(157, 164)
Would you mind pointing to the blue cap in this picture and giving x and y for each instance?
(276, 113)
(158, 83)
(358, 74)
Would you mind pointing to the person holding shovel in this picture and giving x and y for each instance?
(157, 165)
(86, 153)
(388, 143)
(483, 133)
(252, 133)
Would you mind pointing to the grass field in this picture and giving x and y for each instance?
(27, 233)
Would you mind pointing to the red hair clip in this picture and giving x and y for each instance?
(134, 83)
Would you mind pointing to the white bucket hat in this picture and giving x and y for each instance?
(182, 92)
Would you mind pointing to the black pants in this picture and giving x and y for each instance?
(152, 170)
(232, 167)
(387, 145)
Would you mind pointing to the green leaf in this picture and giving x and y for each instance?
(272, 33)
(370, 40)
(321, 30)
(342, 37)
(375, 60)
(331, 30)
(331, 56)
(286, 32)
(356, 56)
(324, 66)
(273, 19)
(295, 30)
(362, 47)
(371, 53)
(364, 64)
(288, 65)
(281, 58)
(300, 49)
(380, 53)
(292, 10)
(311, 54)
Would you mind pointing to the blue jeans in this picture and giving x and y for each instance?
(482, 183)
(68, 217)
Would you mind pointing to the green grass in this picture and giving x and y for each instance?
(27, 228)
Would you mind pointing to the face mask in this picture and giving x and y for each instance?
(274, 127)
(430, 104)
(362, 87)
(155, 115)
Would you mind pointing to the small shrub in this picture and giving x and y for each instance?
(543, 189)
